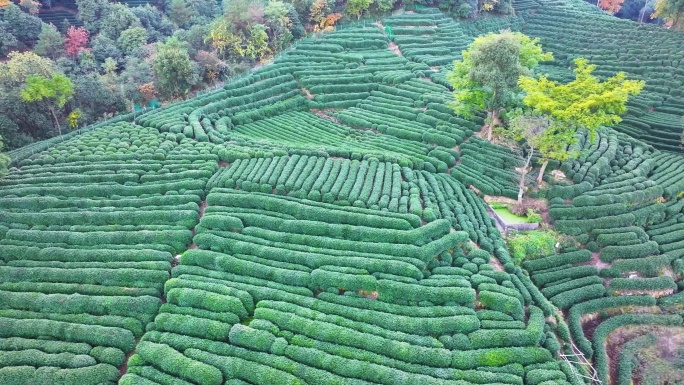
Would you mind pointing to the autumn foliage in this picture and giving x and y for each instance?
(147, 91)
(611, 6)
(76, 40)
(327, 23)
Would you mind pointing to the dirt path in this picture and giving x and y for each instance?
(324, 115)
(597, 262)
(308, 94)
(395, 48)
(391, 45)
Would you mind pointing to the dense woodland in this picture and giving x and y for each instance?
(96, 58)
(104, 58)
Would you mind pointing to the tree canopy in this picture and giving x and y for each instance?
(53, 91)
(487, 76)
(584, 103)
(173, 68)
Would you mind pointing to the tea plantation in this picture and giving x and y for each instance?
(322, 221)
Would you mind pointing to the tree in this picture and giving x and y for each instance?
(297, 29)
(109, 66)
(487, 76)
(50, 42)
(136, 72)
(76, 40)
(156, 23)
(19, 66)
(196, 37)
(257, 45)
(210, 65)
(24, 27)
(74, 118)
(222, 38)
(95, 98)
(132, 38)
(279, 23)
(91, 13)
(318, 11)
(4, 161)
(53, 92)
(186, 13)
(535, 133)
(276, 14)
(243, 14)
(28, 122)
(584, 103)
(611, 6)
(31, 6)
(385, 5)
(118, 19)
(357, 7)
(104, 47)
(8, 42)
(670, 10)
(181, 13)
(173, 68)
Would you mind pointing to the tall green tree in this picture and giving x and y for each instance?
(156, 23)
(487, 76)
(91, 13)
(53, 92)
(278, 20)
(28, 121)
(24, 27)
(118, 19)
(50, 42)
(132, 38)
(584, 103)
(173, 69)
(8, 42)
(358, 7)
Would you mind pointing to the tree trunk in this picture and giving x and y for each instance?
(59, 128)
(541, 171)
(523, 176)
(493, 121)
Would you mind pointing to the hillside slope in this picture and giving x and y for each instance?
(313, 223)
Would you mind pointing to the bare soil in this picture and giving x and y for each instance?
(597, 262)
(496, 264)
(395, 48)
(669, 341)
(308, 94)
(324, 115)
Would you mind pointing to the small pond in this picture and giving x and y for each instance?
(507, 220)
(509, 217)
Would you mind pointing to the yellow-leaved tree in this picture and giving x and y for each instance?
(584, 103)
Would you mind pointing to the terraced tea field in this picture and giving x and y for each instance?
(322, 221)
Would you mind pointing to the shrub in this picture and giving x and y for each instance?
(531, 245)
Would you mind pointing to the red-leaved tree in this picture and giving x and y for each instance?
(611, 6)
(76, 40)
